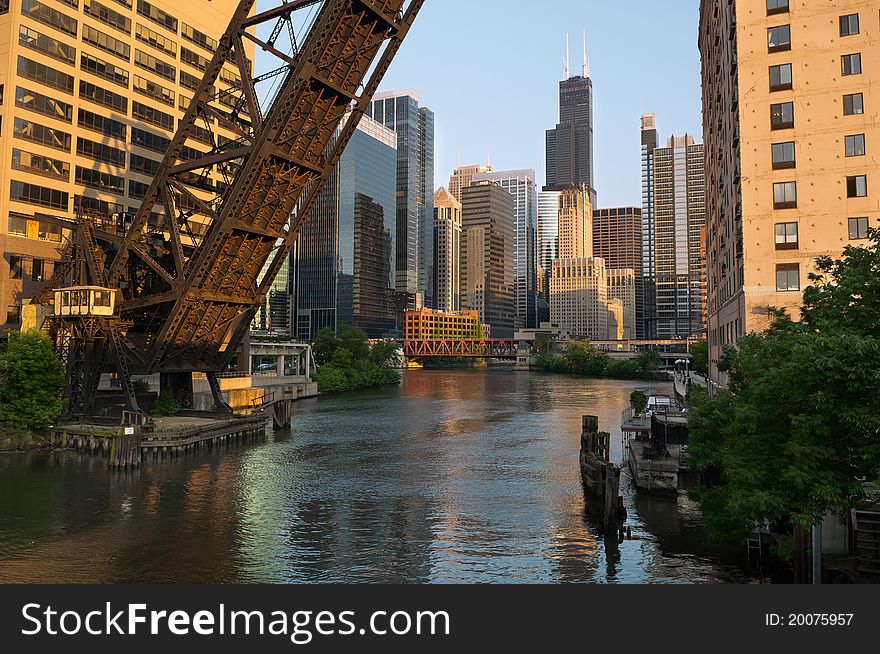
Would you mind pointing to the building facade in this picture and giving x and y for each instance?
(487, 258)
(343, 260)
(429, 324)
(622, 290)
(92, 92)
(401, 111)
(617, 238)
(462, 177)
(650, 140)
(548, 239)
(521, 185)
(791, 175)
(579, 297)
(679, 216)
(447, 250)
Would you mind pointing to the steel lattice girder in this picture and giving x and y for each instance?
(452, 347)
(190, 302)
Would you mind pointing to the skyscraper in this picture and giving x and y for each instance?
(650, 140)
(570, 143)
(521, 184)
(487, 259)
(462, 176)
(679, 226)
(617, 238)
(401, 112)
(92, 93)
(343, 260)
(548, 238)
(447, 250)
(791, 175)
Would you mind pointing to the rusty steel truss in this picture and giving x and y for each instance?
(461, 348)
(194, 264)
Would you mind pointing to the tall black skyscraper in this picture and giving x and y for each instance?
(570, 143)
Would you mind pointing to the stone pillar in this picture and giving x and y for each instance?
(279, 367)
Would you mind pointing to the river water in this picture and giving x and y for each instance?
(462, 476)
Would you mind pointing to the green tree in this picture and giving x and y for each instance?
(31, 377)
(543, 344)
(700, 353)
(638, 401)
(584, 359)
(796, 433)
(648, 363)
(324, 345)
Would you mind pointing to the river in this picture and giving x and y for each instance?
(455, 476)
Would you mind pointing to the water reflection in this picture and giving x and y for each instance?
(466, 476)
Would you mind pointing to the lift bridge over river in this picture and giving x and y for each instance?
(174, 288)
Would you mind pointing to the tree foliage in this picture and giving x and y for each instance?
(31, 377)
(347, 361)
(581, 358)
(700, 353)
(638, 401)
(797, 433)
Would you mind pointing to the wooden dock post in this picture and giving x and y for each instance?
(600, 477)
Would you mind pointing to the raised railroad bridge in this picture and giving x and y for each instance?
(462, 348)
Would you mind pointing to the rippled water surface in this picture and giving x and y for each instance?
(464, 476)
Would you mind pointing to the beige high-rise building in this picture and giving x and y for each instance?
(579, 297)
(790, 99)
(622, 289)
(487, 258)
(462, 177)
(91, 92)
(575, 224)
(447, 250)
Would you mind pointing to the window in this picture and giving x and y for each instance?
(858, 229)
(156, 15)
(39, 195)
(191, 82)
(849, 25)
(779, 38)
(44, 75)
(788, 277)
(780, 77)
(782, 115)
(149, 62)
(49, 16)
(106, 42)
(777, 7)
(137, 190)
(857, 186)
(99, 206)
(16, 267)
(103, 97)
(40, 165)
(786, 236)
(100, 152)
(36, 133)
(783, 155)
(193, 35)
(99, 180)
(47, 45)
(855, 145)
(149, 141)
(37, 270)
(153, 90)
(851, 64)
(142, 165)
(146, 35)
(102, 124)
(47, 232)
(785, 195)
(194, 59)
(43, 104)
(152, 116)
(18, 224)
(108, 16)
(853, 104)
(13, 314)
(105, 69)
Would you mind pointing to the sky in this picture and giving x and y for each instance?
(490, 69)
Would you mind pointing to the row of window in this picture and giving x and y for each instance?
(782, 114)
(16, 271)
(781, 78)
(785, 193)
(787, 233)
(783, 154)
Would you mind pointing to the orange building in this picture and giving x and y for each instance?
(427, 324)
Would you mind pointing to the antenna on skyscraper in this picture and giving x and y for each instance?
(489, 157)
(586, 61)
(566, 68)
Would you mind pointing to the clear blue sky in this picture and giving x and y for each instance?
(490, 69)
